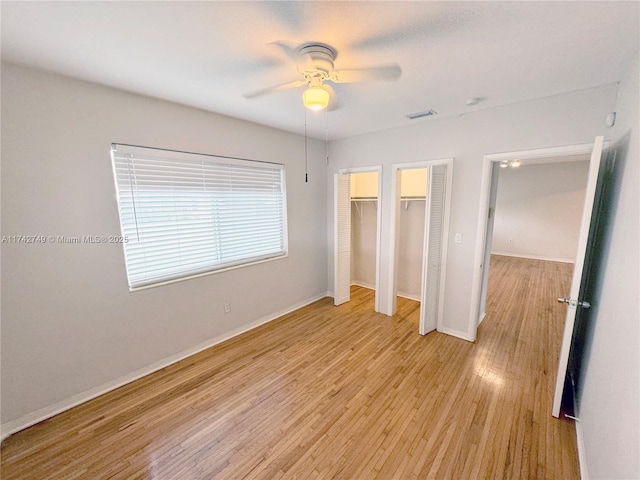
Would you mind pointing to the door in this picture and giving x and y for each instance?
(575, 300)
(493, 198)
(434, 236)
(342, 239)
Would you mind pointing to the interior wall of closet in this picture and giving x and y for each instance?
(364, 218)
(413, 193)
(364, 208)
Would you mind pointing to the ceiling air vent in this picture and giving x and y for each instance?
(426, 113)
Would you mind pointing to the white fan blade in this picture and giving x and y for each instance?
(375, 74)
(276, 88)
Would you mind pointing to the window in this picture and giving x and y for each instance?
(186, 214)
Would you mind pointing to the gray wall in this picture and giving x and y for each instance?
(609, 400)
(364, 220)
(538, 210)
(411, 248)
(69, 324)
(569, 119)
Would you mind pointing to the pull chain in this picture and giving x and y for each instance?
(326, 135)
(306, 162)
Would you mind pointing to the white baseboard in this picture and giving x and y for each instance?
(32, 418)
(370, 286)
(373, 287)
(455, 333)
(582, 461)
(536, 257)
(409, 296)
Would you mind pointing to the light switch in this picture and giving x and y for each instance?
(458, 238)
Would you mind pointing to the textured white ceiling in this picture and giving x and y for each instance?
(207, 54)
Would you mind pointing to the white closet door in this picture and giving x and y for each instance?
(342, 239)
(433, 248)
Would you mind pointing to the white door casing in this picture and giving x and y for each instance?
(493, 197)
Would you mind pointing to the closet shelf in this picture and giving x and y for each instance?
(407, 199)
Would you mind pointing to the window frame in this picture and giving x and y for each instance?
(120, 150)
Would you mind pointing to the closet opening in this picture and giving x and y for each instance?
(413, 195)
(419, 238)
(357, 232)
(364, 226)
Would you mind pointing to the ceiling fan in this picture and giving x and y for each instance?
(314, 62)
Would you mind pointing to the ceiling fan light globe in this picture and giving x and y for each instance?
(315, 98)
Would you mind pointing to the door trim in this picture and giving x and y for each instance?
(477, 288)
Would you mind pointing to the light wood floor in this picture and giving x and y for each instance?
(336, 392)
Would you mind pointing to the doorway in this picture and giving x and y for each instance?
(491, 166)
(535, 209)
(357, 232)
(364, 226)
(424, 187)
(411, 223)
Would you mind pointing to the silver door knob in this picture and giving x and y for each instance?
(573, 303)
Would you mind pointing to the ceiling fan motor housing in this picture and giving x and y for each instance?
(316, 60)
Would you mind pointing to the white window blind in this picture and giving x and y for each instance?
(184, 214)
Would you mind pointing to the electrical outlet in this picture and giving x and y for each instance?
(227, 307)
(458, 238)
(511, 240)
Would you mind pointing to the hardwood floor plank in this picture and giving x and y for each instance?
(336, 392)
